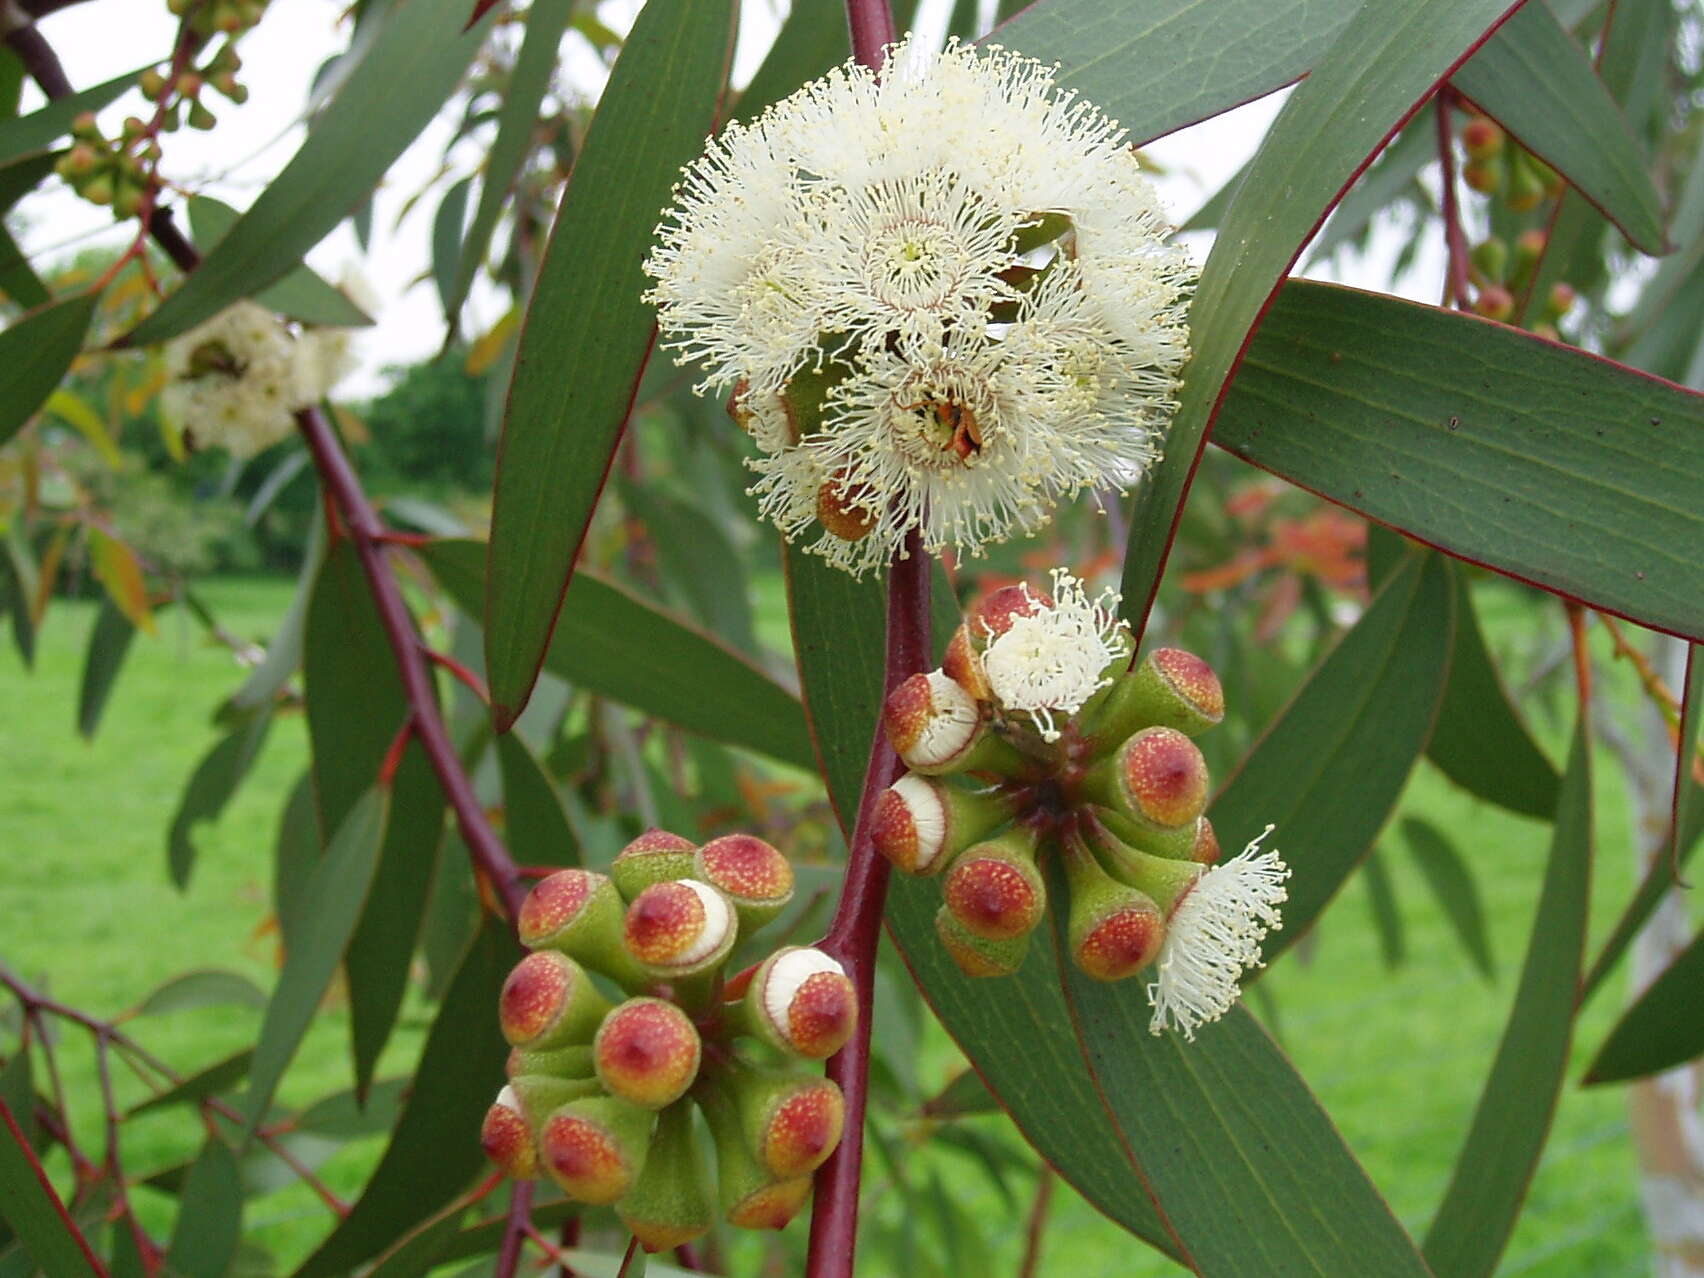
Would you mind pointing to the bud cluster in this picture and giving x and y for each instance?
(1034, 741)
(1500, 169)
(602, 1091)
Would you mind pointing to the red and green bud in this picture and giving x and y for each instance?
(1526, 185)
(595, 1148)
(1156, 779)
(1490, 258)
(561, 1062)
(1560, 300)
(656, 856)
(579, 912)
(791, 1122)
(920, 823)
(1494, 302)
(1171, 688)
(994, 889)
(752, 1196)
(1163, 880)
(548, 1001)
(993, 614)
(540, 1095)
(1482, 138)
(799, 1001)
(680, 929)
(668, 1205)
(933, 723)
(962, 663)
(647, 1051)
(1114, 930)
(1486, 177)
(749, 872)
(847, 512)
(1193, 842)
(976, 956)
(507, 1138)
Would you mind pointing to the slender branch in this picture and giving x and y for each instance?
(1582, 654)
(515, 1232)
(872, 30)
(627, 1258)
(1044, 1186)
(1456, 282)
(40, 61)
(856, 927)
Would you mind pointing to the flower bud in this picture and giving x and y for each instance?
(993, 614)
(1157, 779)
(920, 824)
(1526, 187)
(752, 1196)
(1171, 688)
(656, 856)
(800, 1001)
(647, 1051)
(1491, 257)
(668, 1205)
(750, 873)
(680, 928)
(563, 1062)
(1163, 880)
(595, 1148)
(932, 723)
(1548, 178)
(975, 956)
(1560, 300)
(1194, 842)
(579, 912)
(152, 83)
(200, 117)
(540, 1095)
(1485, 178)
(1494, 302)
(1481, 138)
(548, 1001)
(507, 1139)
(994, 889)
(1115, 930)
(1205, 850)
(845, 513)
(85, 126)
(790, 1121)
(963, 665)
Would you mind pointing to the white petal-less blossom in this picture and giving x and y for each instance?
(943, 295)
(1214, 936)
(234, 381)
(1052, 659)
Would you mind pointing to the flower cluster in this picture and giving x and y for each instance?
(234, 381)
(1032, 740)
(941, 298)
(601, 1094)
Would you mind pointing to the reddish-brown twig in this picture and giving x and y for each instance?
(1456, 280)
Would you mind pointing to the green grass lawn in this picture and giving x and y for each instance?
(1397, 1057)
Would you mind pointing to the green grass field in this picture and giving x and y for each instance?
(1398, 1058)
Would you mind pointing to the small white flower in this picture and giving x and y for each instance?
(1214, 936)
(973, 266)
(1051, 660)
(234, 381)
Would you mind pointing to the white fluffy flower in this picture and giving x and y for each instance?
(958, 277)
(1052, 659)
(234, 381)
(1214, 936)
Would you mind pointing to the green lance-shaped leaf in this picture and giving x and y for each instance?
(210, 1214)
(206, 987)
(1685, 826)
(1663, 1029)
(812, 40)
(1387, 59)
(1248, 1174)
(331, 905)
(1480, 742)
(447, 240)
(355, 698)
(434, 1151)
(1540, 85)
(546, 22)
(415, 60)
(44, 127)
(302, 294)
(587, 333)
(1329, 769)
(534, 822)
(35, 353)
(612, 643)
(377, 960)
(1387, 916)
(210, 788)
(220, 1076)
(697, 559)
(109, 644)
(1540, 461)
(1202, 57)
(1451, 881)
(1513, 1118)
(30, 1206)
(18, 279)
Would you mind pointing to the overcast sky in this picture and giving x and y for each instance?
(253, 142)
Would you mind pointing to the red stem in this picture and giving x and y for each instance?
(872, 30)
(520, 1218)
(856, 927)
(1456, 282)
(471, 681)
(9, 1130)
